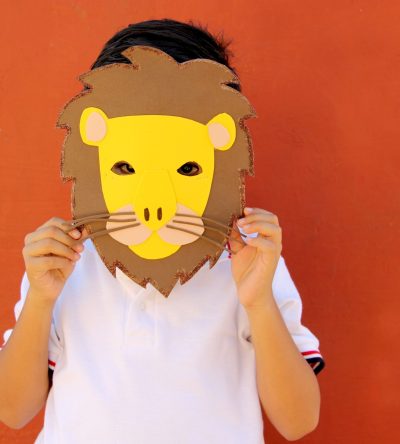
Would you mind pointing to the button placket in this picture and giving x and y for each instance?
(140, 322)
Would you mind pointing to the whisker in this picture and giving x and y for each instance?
(99, 215)
(83, 219)
(226, 235)
(202, 236)
(104, 220)
(207, 219)
(201, 225)
(109, 230)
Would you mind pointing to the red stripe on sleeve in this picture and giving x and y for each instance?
(311, 352)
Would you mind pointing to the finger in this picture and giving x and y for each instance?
(267, 217)
(46, 263)
(56, 233)
(247, 211)
(264, 244)
(236, 242)
(264, 228)
(49, 246)
(63, 225)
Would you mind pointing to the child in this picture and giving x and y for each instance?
(116, 363)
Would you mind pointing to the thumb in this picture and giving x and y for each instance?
(236, 241)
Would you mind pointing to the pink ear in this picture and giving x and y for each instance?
(219, 135)
(96, 127)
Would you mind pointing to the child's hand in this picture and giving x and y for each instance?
(254, 264)
(50, 254)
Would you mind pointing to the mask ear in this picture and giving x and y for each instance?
(222, 131)
(93, 126)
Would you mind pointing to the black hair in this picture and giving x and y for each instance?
(182, 41)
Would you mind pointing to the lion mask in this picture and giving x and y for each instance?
(157, 151)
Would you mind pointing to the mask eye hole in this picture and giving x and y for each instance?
(123, 168)
(190, 169)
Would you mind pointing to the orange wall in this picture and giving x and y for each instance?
(324, 79)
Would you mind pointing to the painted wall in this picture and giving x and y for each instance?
(324, 79)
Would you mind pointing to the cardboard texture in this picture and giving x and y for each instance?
(164, 145)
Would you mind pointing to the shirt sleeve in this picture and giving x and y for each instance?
(54, 340)
(290, 305)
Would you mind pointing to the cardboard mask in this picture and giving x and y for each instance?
(157, 151)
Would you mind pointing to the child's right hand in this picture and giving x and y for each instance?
(50, 254)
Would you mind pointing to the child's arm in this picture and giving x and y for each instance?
(287, 386)
(50, 255)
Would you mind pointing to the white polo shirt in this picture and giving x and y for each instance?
(131, 366)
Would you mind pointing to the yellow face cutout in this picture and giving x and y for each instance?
(161, 168)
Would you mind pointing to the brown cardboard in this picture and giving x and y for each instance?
(154, 83)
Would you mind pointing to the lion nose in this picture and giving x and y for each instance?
(155, 199)
(147, 214)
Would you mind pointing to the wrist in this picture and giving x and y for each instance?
(38, 300)
(262, 303)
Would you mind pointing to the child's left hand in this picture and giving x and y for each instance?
(254, 264)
